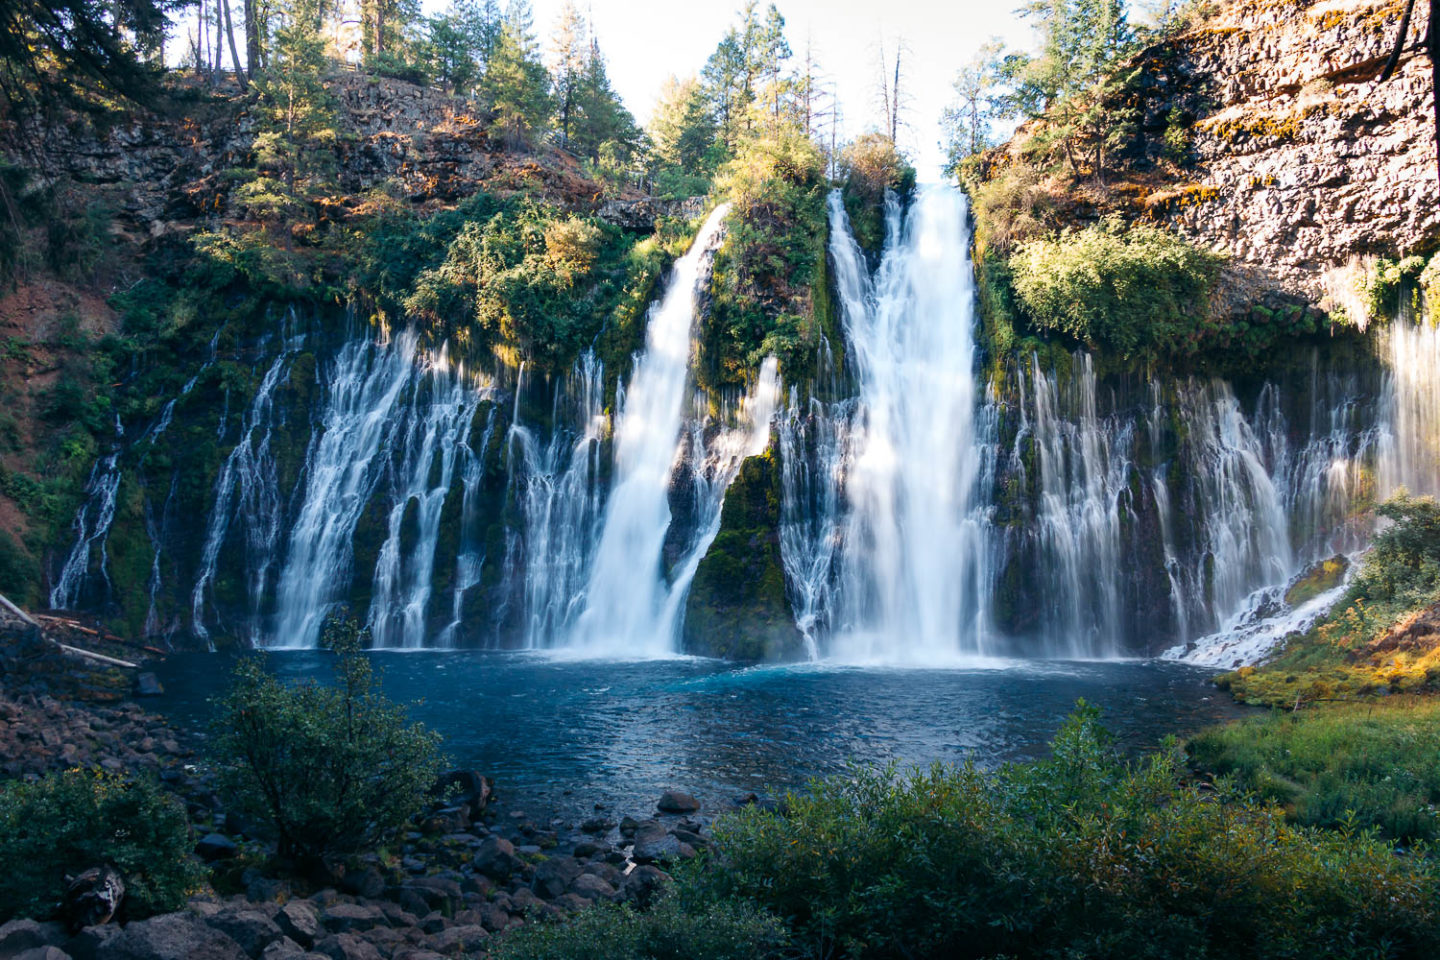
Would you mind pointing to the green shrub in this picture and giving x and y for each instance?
(1391, 285)
(869, 167)
(1078, 855)
(763, 302)
(1404, 561)
(327, 768)
(1348, 765)
(670, 930)
(1134, 290)
(69, 822)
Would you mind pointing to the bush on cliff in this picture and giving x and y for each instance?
(869, 167)
(764, 273)
(69, 822)
(1132, 290)
(329, 769)
(1080, 854)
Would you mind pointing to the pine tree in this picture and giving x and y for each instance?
(516, 87)
(570, 68)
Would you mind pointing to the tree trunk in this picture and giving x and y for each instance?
(219, 40)
(252, 37)
(234, 55)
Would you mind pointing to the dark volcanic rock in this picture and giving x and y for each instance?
(554, 876)
(675, 801)
(174, 936)
(496, 858)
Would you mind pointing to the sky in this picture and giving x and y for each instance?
(645, 41)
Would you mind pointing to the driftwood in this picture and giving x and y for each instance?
(6, 603)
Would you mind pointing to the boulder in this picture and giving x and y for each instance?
(591, 887)
(148, 685)
(460, 939)
(93, 896)
(216, 846)
(367, 883)
(469, 787)
(42, 953)
(347, 946)
(497, 859)
(17, 936)
(350, 918)
(675, 801)
(297, 920)
(283, 949)
(87, 943)
(554, 876)
(172, 936)
(642, 885)
(253, 930)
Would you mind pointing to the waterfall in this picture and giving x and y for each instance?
(471, 555)
(714, 454)
(92, 526)
(626, 595)
(247, 489)
(1085, 503)
(557, 484)
(913, 570)
(1412, 411)
(429, 439)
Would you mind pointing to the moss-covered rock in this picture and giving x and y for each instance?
(1323, 576)
(737, 608)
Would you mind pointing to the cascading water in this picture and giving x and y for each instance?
(626, 594)
(246, 489)
(92, 526)
(558, 485)
(470, 558)
(429, 439)
(908, 548)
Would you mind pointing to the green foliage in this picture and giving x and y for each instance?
(870, 167)
(523, 277)
(1348, 655)
(19, 572)
(69, 822)
(1076, 855)
(1135, 291)
(1345, 766)
(1391, 285)
(670, 930)
(775, 234)
(737, 608)
(517, 88)
(327, 768)
(1404, 560)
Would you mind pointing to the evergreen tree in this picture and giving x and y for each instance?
(682, 129)
(516, 86)
(570, 69)
(979, 101)
(603, 121)
(294, 148)
(72, 49)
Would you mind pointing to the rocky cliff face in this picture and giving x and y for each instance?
(1303, 159)
(165, 171)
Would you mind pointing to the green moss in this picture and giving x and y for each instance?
(737, 608)
(1323, 576)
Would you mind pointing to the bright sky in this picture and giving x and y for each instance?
(645, 41)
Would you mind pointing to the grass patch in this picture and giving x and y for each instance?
(1359, 765)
